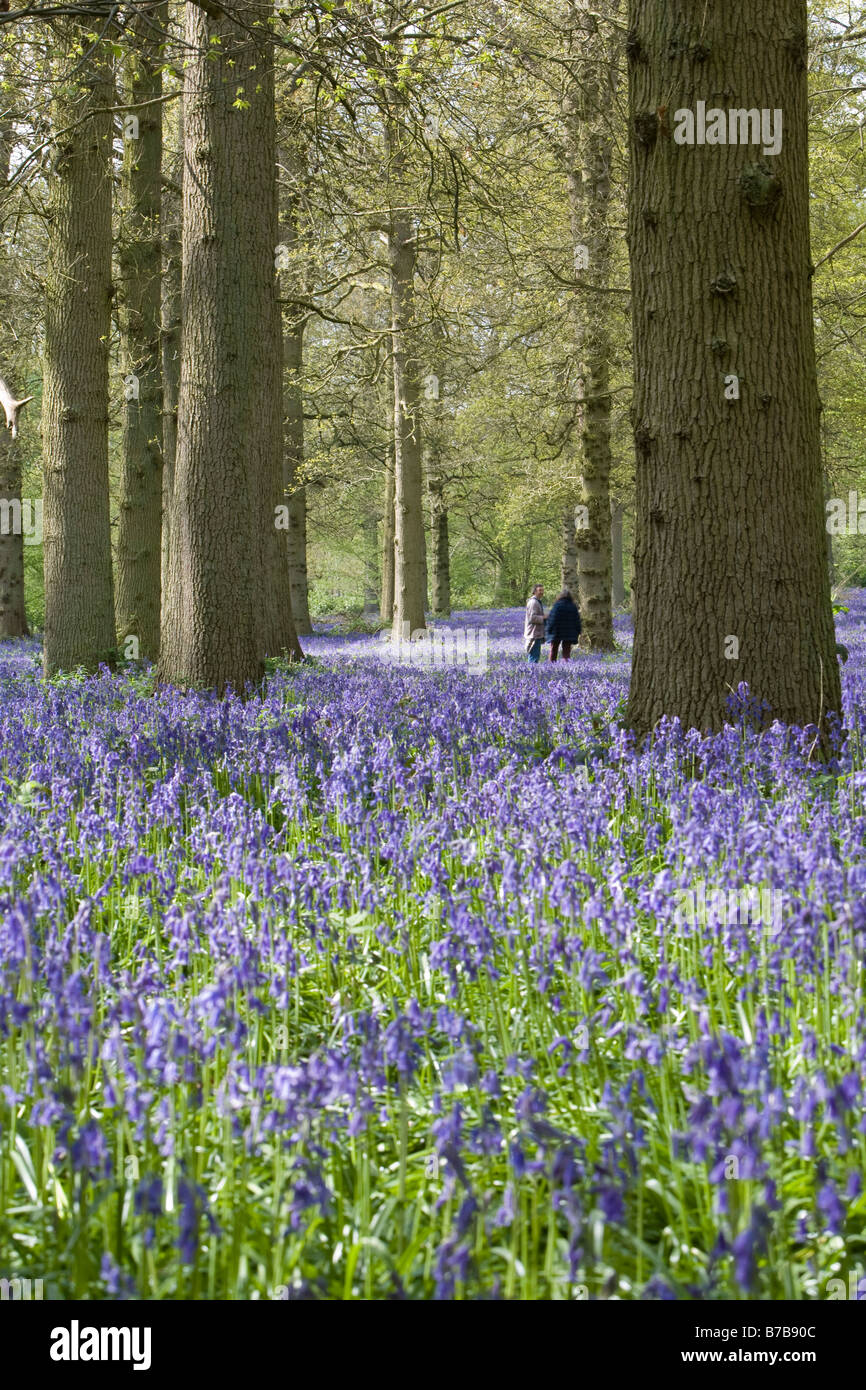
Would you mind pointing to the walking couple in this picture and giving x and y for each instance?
(561, 626)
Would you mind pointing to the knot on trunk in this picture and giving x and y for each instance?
(634, 48)
(723, 283)
(643, 440)
(760, 185)
(646, 127)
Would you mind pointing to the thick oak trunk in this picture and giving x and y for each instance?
(79, 602)
(224, 558)
(730, 555)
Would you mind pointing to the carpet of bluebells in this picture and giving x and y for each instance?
(371, 987)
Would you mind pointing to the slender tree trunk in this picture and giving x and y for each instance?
(295, 493)
(617, 596)
(587, 118)
(410, 581)
(293, 160)
(434, 447)
(439, 547)
(386, 608)
(731, 565)
(172, 309)
(371, 566)
(13, 618)
(79, 602)
(224, 549)
(831, 559)
(139, 541)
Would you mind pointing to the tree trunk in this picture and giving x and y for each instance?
(295, 493)
(434, 444)
(386, 608)
(831, 558)
(371, 557)
(79, 601)
(172, 308)
(730, 562)
(139, 541)
(225, 548)
(439, 547)
(617, 594)
(13, 618)
(293, 161)
(568, 563)
(587, 121)
(410, 581)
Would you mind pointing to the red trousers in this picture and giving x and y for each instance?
(554, 648)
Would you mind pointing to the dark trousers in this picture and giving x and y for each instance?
(554, 648)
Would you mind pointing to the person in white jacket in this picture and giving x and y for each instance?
(533, 630)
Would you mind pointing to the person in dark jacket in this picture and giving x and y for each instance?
(563, 625)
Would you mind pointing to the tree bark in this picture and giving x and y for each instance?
(293, 161)
(295, 493)
(224, 566)
(587, 122)
(410, 582)
(434, 446)
(79, 602)
(730, 555)
(13, 617)
(172, 309)
(568, 564)
(386, 609)
(831, 558)
(617, 594)
(439, 547)
(139, 541)
(371, 557)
